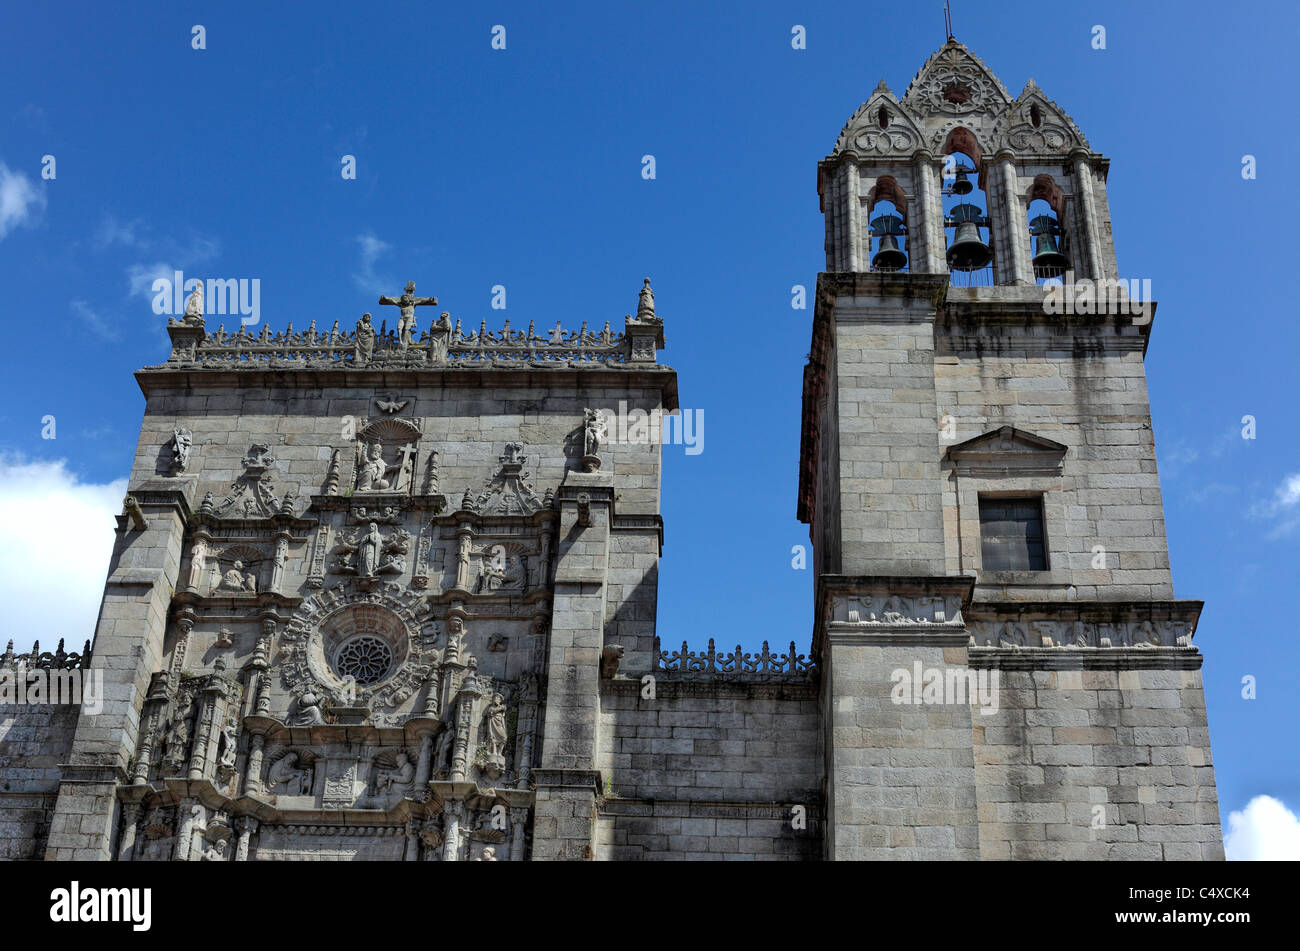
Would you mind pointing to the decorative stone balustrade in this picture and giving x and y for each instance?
(191, 345)
(58, 660)
(738, 665)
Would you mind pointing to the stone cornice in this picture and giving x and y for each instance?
(1113, 658)
(626, 376)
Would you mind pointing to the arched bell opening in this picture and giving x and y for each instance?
(969, 252)
(1050, 260)
(887, 217)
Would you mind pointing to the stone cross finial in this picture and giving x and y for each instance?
(407, 303)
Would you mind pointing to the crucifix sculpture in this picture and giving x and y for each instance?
(407, 302)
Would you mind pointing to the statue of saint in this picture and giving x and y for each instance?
(594, 431)
(372, 471)
(364, 339)
(495, 715)
(182, 441)
(194, 306)
(645, 306)
(309, 712)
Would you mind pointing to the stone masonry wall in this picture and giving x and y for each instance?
(709, 771)
(1095, 764)
(1108, 491)
(34, 741)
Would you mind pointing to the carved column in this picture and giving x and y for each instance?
(462, 556)
(469, 692)
(1087, 214)
(155, 702)
(412, 841)
(518, 829)
(925, 246)
(130, 824)
(253, 768)
(525, 728)
(277, 563)
(853, 216)
(544, 569)
(424, 765)
(206, 726)
(189, 815)
(452, 814)
(245, 826)
(1015, 269)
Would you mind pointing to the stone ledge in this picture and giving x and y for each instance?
(1085, 658)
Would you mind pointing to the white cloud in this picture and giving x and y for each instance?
(21, 199)
(1283, 508)
(371, 247)
(56, 537)
(1265, 830)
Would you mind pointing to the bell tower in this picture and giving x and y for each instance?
(994, 609)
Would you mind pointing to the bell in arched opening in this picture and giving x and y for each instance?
(962, 185)
(1048, 259)
(968, 252)
(889, 256)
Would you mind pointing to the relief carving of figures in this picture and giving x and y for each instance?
(215, 852)
(252, 496)
(372, 471)
(370, 554)
(1012, 635)
(289, 776)
(894, 610)
(502, 568)
(182, 442)
(397, 777)
(228, 748)
(1146, 635)
(236, 579)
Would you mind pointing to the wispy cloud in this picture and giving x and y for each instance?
(371, 248)
(21, 200)
(102, 328)
(1176, 457)
(1265, 830)
(1282, 509)
(169, 256)
(114, 232)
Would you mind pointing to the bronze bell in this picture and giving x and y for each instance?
(1048, 259)
(962, 185)
(968, 252)
(888, 256)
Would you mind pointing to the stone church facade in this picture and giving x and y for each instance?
(391, 594)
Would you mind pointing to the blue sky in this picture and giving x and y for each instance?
(522, 167)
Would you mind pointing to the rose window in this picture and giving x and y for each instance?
(365, 658)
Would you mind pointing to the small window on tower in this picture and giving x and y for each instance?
(1011, 534)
